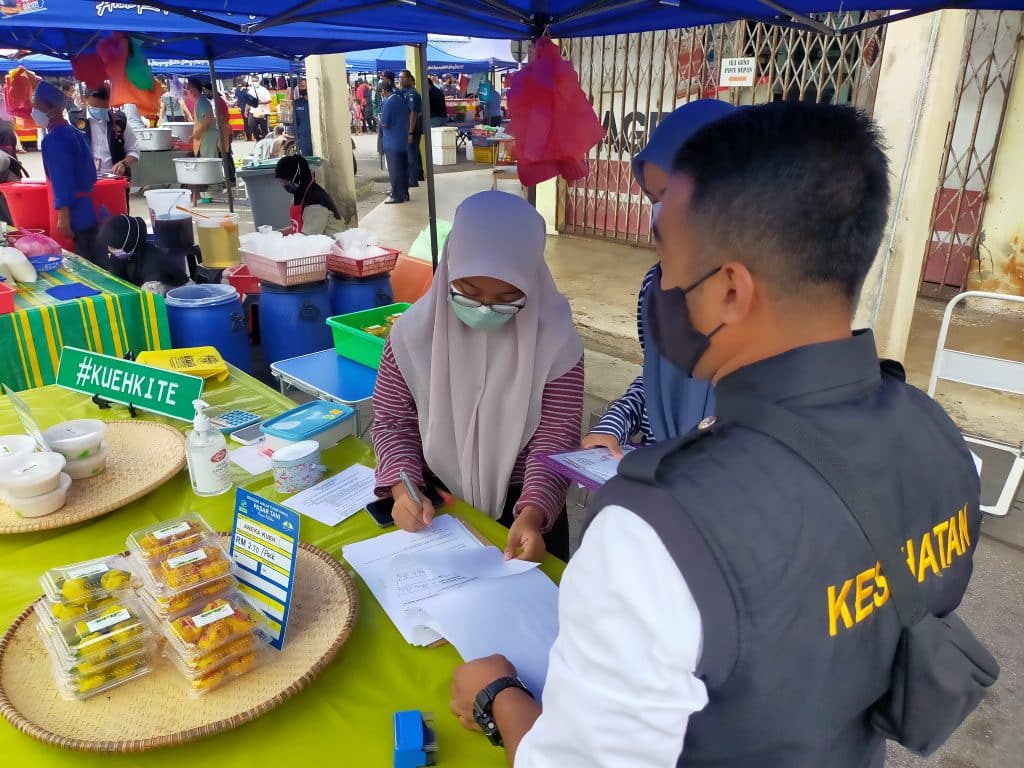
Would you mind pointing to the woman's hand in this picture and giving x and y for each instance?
(525, 535)
(595, 440)
(407, 514)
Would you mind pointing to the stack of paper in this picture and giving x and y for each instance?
(591, 468)
(443, 583)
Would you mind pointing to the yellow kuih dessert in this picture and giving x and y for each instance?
(193, 567)
(168, 537)
(221, 621)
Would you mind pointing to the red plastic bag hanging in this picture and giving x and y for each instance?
(115, 52)
(88, 67)
(552, 119)
(18, 89)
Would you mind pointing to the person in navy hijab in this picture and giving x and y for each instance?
(664, 402)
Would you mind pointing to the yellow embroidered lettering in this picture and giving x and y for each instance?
(953, 545)
(911, 564)
(965, 535)
(862, 601)
(927, 559)
(882, 584)
(837, 608)
(938, 530)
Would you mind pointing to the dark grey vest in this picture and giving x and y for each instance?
(799, 632)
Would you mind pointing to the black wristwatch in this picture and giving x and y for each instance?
(483, 706)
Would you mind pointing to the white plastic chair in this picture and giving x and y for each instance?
(989, 372)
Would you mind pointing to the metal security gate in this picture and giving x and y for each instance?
(634, 80)
(968, 159)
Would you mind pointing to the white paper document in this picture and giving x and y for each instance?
(337, 498)
(591, 467)
(443, 583)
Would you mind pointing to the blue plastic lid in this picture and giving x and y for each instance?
(307, 421)
(203, 295)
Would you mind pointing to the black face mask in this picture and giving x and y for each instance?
(673, 333)
(291, 188)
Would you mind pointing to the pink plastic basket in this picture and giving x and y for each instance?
(341, 264)
(305, 269)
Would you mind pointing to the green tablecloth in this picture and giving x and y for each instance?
(121, 318)
(343, 718)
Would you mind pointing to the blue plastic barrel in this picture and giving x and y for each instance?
(210, 315)
(354, 294)
(293, 320)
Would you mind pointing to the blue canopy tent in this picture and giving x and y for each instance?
(439, 62)
(51, 65)
(67, 27)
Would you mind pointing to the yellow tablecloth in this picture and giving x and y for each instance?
(344, 717)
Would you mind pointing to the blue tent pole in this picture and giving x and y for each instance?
(225, 159)
(429, 153)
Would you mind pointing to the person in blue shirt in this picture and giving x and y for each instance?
(394, 133)
(68, 162)
(663, 402)
(407, 83)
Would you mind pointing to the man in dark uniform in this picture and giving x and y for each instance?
(114, 146)
(724, 608)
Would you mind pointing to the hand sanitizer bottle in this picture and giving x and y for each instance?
(206, 452)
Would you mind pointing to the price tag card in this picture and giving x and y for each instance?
(264, 544)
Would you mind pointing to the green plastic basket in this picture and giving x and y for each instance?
(351, 341)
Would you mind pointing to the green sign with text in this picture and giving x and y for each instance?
(167, 393)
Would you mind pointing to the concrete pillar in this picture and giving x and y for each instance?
(329, 118)
(913, 107)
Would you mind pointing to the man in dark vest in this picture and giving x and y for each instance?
(114, 146)
(724, 608)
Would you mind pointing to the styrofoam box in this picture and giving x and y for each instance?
(444, 156)
(444, 137)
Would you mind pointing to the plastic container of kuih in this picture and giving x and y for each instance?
(53, 612)
(316, 420)
(187, 569)
(107, 632)
(221, 621)
(166, 608)
(175, 535)
(36, 474)
(91, 466)
(66, 664)
(78, 439)
(88, 581)
(13, 449)
(91, 677)
(223, 667)
(354, 341)
(44, 503)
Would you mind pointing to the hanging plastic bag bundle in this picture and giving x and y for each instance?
(18, 90)
(552, 119)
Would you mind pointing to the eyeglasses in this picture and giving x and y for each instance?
(502, 308)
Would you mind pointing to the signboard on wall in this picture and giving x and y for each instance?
(738, 73)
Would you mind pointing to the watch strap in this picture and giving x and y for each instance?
(483, 707)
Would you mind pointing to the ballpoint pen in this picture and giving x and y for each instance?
(410, 488)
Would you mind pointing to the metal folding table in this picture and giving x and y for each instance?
(329, 376)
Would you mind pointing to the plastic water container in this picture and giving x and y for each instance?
(218, 240)
(354, 294)
(210, 315)
(292, 319)
(165, 202)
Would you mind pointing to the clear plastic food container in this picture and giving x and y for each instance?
(168, 537)
(191, 600)
(88, 581)
(182, 570)
(220, 622)
(227, 668)
(104, 633)
(80, 687)
(54, 612)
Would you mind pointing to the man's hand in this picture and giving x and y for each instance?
(525, 535)
(64, 222)
(595, 440)
(471, 678)
(407, 514)
(120, 169)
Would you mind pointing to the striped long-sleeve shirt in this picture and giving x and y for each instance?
(396, 437)
(627, 416)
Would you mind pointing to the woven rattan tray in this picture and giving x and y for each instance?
(157, 711)
(143, 456)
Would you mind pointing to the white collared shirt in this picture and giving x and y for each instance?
(621, 682)
(101, 146)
